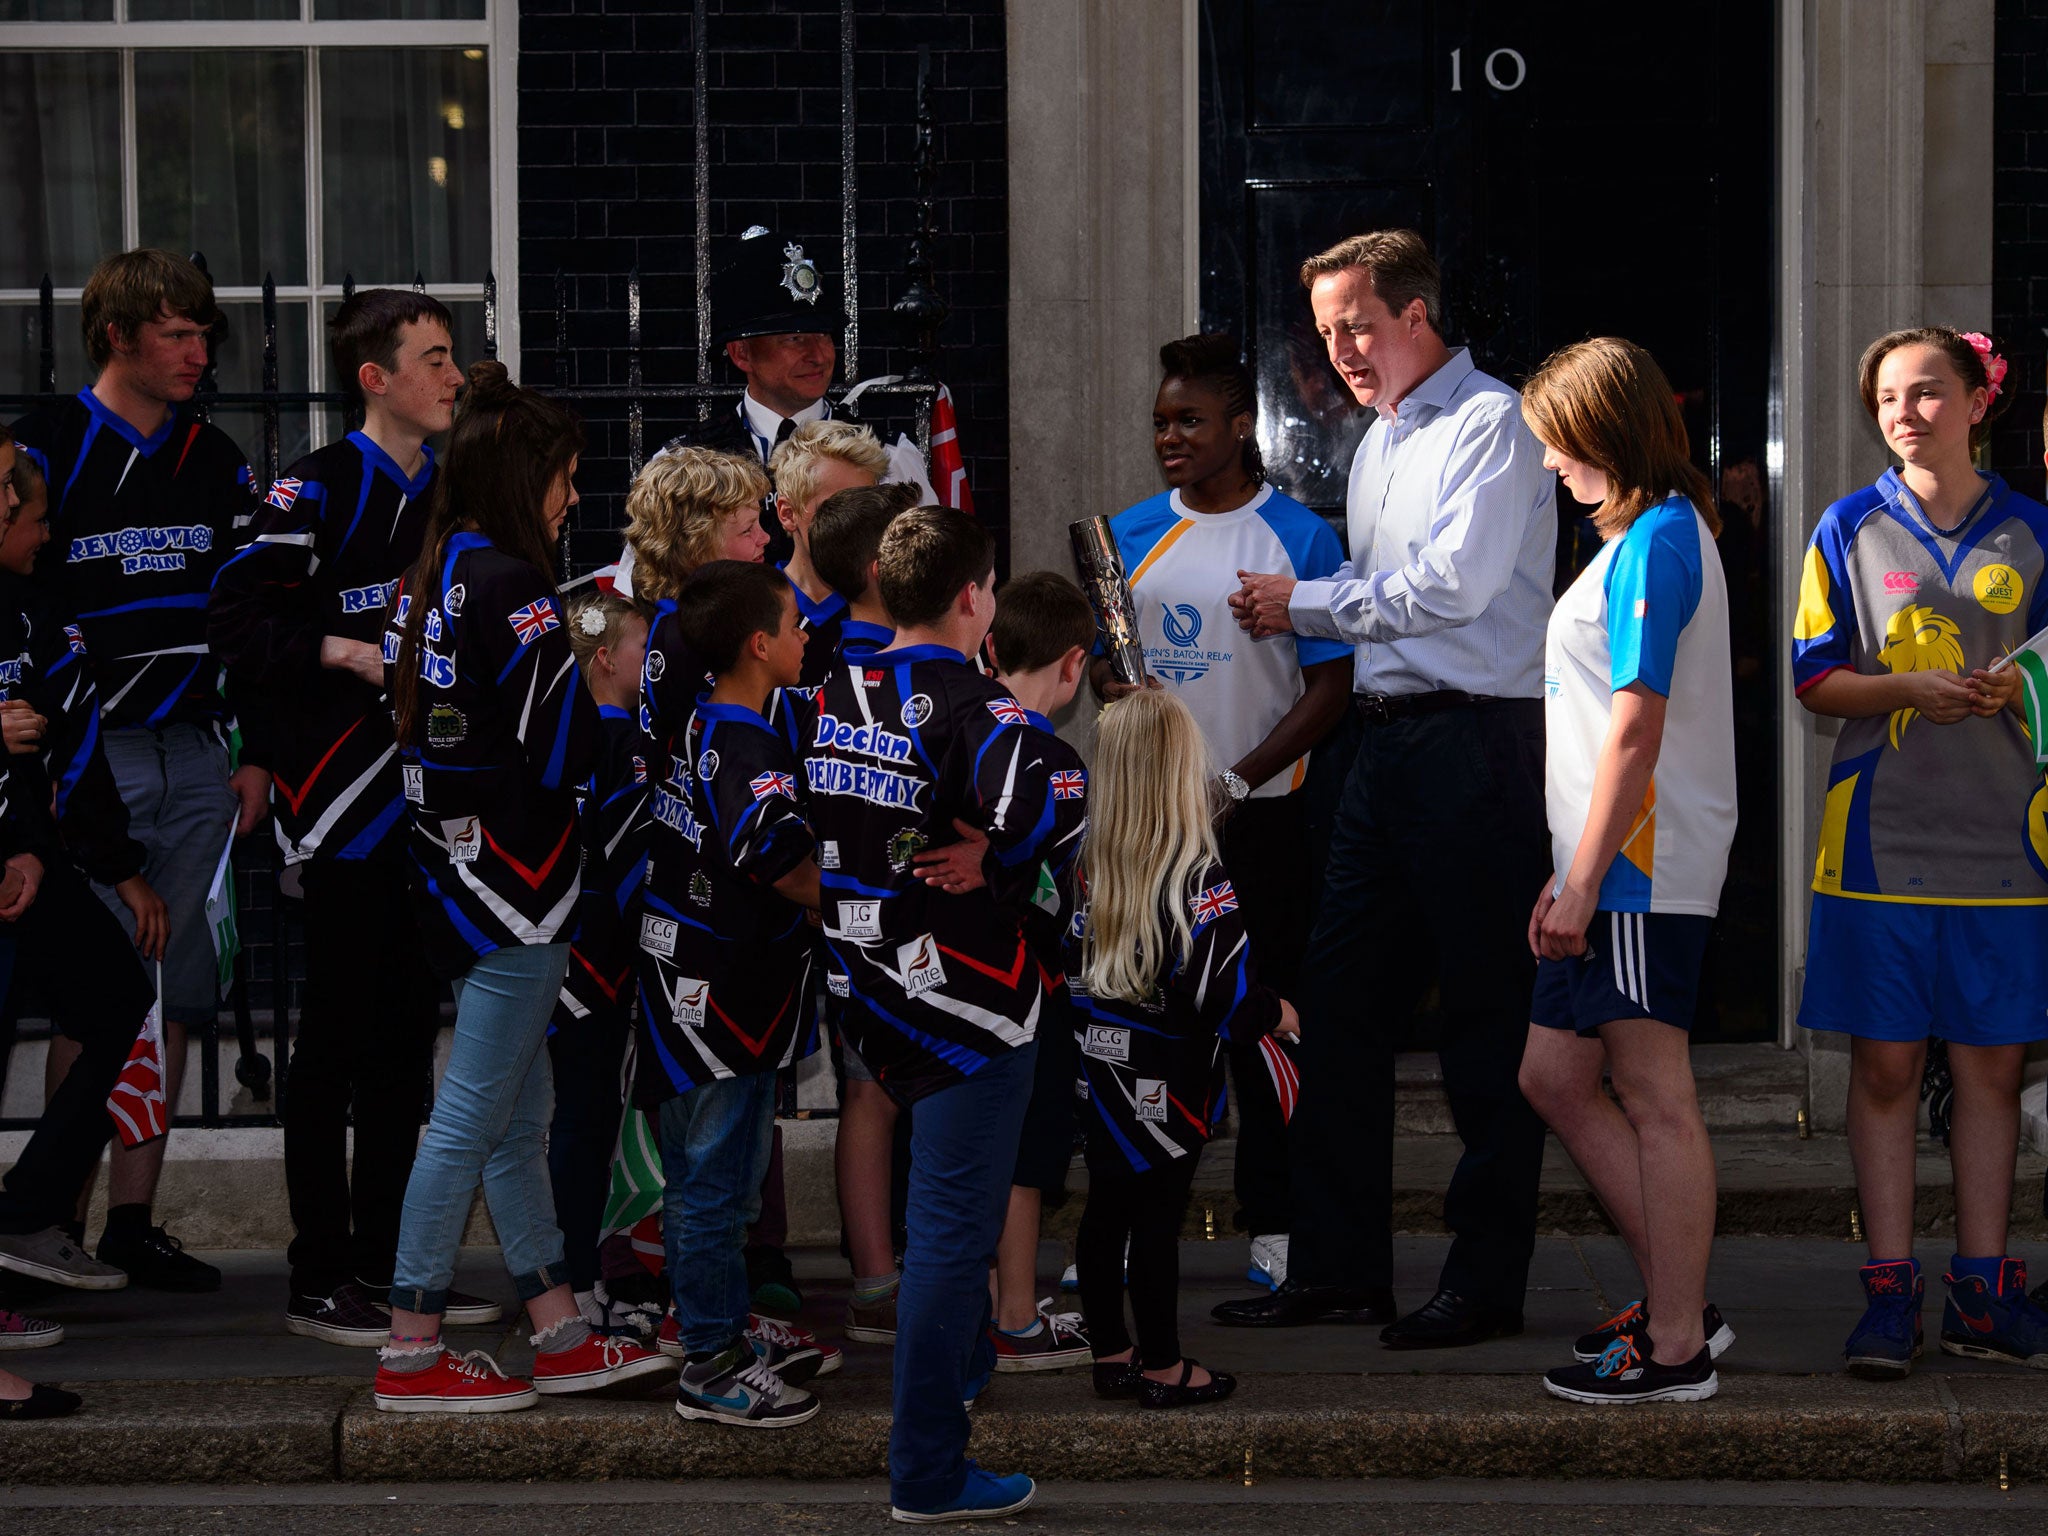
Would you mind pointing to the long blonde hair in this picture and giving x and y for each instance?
(1151, 836)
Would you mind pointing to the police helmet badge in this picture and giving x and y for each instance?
(799, 276)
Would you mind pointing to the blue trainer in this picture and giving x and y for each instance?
(1989, 1315)
(984, 1496)
(1884, 1345)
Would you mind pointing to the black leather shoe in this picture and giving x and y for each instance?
(1178, 1394)
(1116, 1378)
(1449, 1321)
(1294, 1305)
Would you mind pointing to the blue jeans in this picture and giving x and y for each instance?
(714, 1150)
(963, 1147)
(490, 1121)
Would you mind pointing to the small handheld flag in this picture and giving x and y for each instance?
(137, 1104)
(2032, 661)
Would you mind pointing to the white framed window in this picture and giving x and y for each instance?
(313, 141)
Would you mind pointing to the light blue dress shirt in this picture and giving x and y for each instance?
(1453, 527)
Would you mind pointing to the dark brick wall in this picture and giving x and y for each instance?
(607, 177)
(2019, 261)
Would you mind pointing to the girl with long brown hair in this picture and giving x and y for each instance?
(1640, 789)
(499, 730)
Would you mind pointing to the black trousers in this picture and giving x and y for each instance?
(1147, 1209)
(73, 949)
(1265, 849)
(1435, 859)
(364, 1055)
(587, 1055)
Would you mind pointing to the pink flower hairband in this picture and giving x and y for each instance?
(1994, 365)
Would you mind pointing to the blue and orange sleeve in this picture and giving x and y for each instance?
(1654, 584)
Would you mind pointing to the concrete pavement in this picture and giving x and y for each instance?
(211, 1389)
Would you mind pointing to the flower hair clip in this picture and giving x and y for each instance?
(592, 621)
(1994, 365)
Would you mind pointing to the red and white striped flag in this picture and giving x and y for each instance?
(949, 470)
(1286, 1076)
(137, 1102)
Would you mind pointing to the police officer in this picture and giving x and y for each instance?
(776, 315)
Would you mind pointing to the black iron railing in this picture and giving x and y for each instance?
(920, 307)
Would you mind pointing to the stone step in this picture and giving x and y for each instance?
(1746, 1087)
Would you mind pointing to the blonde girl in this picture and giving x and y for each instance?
(1165, 978)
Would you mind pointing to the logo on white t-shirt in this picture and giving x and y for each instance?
(1182, 662)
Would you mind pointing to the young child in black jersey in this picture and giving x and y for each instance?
(1161, 976)
(871, 1151)
(725, 987)
(814, 463)
(1038, 646)
(688, 507)
(587, 1039)
(948, 999)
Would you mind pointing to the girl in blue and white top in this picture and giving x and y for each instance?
(1640, 789)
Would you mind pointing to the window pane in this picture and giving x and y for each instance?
(221, 138)
(238, 368)
(21, 351)
(213, 10)
(405, 164)
(60, 178)
(56, 10)
(396, 10)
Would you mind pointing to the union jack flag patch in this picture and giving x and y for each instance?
(77, 640)
(1213, 903)
(1069, 784)
(1009, 711)
(534, 620)
(765, 784)
(283, 493)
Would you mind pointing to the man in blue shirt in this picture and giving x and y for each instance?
(1439, 844)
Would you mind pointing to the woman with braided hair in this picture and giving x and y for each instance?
(1261, 704)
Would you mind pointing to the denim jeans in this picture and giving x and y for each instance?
(490, 1121)
(963, 1147)
(714, 1150)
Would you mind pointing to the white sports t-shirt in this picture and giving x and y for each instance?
(1651, 608)
(1182, 568)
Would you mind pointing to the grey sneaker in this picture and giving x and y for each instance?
(50, 1255)
(736, 1387)
(872, 1322)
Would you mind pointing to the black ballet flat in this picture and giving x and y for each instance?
(43, 1402)
(1178, 1394)
(1117, 1378)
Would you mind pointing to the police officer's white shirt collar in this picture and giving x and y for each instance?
(766, 421)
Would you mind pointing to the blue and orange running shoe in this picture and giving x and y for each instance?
(1884, 1345)
(1634, 1321)
(1989, 1315)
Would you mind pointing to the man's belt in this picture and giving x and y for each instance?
(1385, 708)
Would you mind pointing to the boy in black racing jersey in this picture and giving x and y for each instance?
(948, 996)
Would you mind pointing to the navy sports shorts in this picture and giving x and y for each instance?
(1637, 965)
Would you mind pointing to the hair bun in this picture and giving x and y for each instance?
(490, 383)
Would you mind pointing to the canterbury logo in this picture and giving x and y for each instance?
(1901, 581)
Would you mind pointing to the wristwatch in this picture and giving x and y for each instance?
(1234, 785)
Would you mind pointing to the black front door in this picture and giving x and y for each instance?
(1580, 169)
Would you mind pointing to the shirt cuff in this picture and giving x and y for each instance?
(1308, 610)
